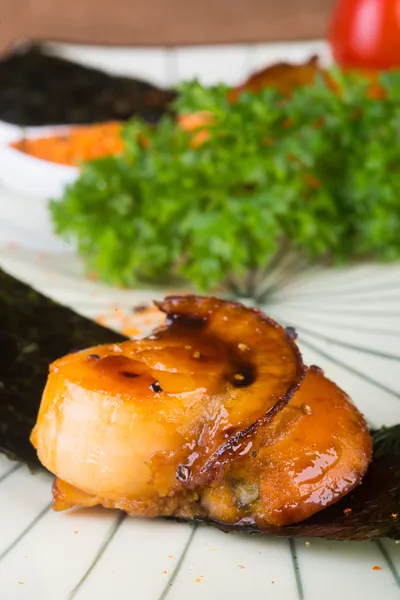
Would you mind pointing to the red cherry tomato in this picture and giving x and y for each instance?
(365, 34)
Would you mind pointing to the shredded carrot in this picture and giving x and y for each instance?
(79, 144)
(193, 121)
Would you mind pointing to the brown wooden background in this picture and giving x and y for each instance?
(162, 22)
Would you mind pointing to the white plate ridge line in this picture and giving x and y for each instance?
(296, 569)
(103, 547)
(10, 472)
(351, 369)
(355, 347)
(26, 530)
(178, 566)
(389, 562)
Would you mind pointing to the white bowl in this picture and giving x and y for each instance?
(22, 173)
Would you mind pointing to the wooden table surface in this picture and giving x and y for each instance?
(163, 22)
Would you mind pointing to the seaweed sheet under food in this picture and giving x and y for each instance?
(371, 511)
(39, 88)
(35, 330)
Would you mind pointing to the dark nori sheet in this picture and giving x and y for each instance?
(35, 330)
(39, 88)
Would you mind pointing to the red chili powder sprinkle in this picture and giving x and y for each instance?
(20, 583)
(241, 566)
(347, 511)
(376, 568)
(395, 515)
(130, 331)
(165, 572)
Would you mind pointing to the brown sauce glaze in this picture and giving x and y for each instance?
(208, 417)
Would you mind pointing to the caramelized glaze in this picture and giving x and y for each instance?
(205, 418)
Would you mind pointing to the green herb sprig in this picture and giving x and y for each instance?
(318, 173)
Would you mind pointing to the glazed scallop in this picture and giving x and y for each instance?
(209, 417)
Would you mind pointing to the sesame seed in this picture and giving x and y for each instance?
(238, 377)
(196, 354)
(306, 409)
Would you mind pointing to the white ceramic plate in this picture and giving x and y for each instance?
(349, 324)
(26, 174)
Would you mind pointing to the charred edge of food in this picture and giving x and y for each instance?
(237, 443)
(140, 308)
(185, 321)
(156, 387)
(291, 332)
(201, 321)
(316, 369)
(94, 356)
(129, 374)
(215, 303)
